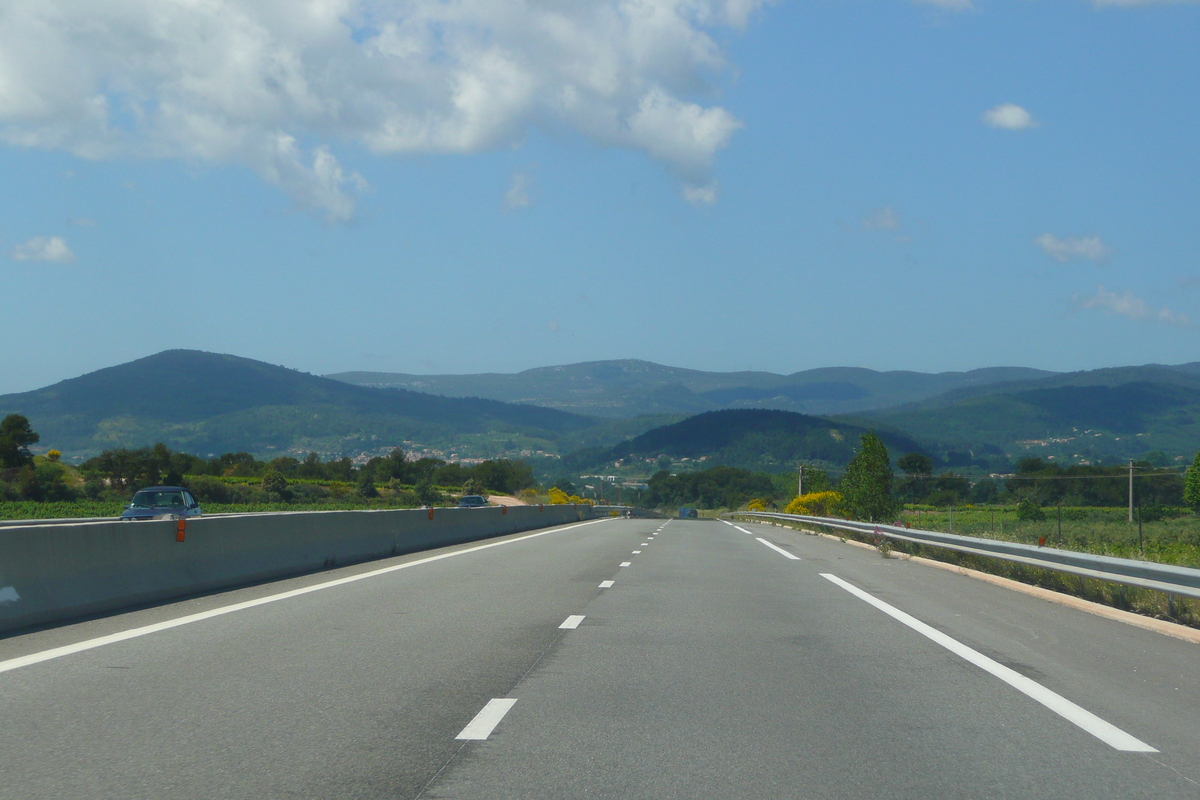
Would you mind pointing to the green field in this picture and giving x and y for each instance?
(1104, 531)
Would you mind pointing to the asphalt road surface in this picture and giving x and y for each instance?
(610, 659)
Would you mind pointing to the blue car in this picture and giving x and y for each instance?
(473, 501)
(157, 501)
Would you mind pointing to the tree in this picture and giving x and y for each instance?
(917, 467)
(866, 486)
(273, 482)
(916, 464)
(366, 485)
(15, 438)
(311, 467)
(1191, 484)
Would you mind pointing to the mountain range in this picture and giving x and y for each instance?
(209, 403)
(984, 419)
(630, 387)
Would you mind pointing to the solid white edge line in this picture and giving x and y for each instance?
(571, 622)
(1104, 731)
(780, 550)
(606, 584)
(487, 719)
(145, 630)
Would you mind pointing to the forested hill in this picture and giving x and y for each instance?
(758, 439)
(1104, 422)
(211, 403)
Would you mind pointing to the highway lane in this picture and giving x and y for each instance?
(353, 691)
(713, 665)
(717, 667)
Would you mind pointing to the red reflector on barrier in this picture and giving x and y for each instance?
(180, 529)
(431, 513)
(503, 509)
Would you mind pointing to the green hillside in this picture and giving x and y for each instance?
(1064, 418)
(630, 387)
(756, 439)
(209, 403)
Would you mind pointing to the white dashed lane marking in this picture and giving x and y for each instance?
(571, 622)
(486, 720)
(780, 550)
(606, 584)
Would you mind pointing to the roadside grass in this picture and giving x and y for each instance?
(1109, 537)
(1103, 531)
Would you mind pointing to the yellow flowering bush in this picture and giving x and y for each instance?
(816, 504)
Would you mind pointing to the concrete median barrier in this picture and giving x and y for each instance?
(50, 573)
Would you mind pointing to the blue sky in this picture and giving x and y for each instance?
(493, 185)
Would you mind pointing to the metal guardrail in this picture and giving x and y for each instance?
(1130, 572)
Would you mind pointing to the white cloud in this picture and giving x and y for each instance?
(1089, 248)
(1010, 117)
(885, 219)
(277, 85)
(1128, 305)
(51, 249)
(700, 194)
(517, 195)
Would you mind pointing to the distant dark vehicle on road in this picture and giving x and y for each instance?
(472, 501)
(688, 513)
(156, 501)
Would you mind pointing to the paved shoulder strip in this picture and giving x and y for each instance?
(1104, 731)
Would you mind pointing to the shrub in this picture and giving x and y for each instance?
(756, 505)
(427, 494)
(558, 497)
(406, 498)
(1153, 512)
(273, 482)
(1028, 510)
(816, 504)
(366, 486)
(208, 489)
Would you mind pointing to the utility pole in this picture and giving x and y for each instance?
(800, 489)
(1131, 490)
